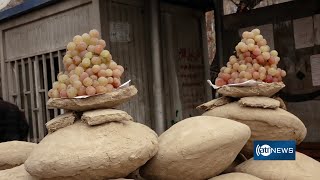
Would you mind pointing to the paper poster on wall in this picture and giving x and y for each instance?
(120, 32)
(315, 69)
(266, 31)
(303, 32)
(316, 25)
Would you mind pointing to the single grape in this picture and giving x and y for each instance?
(94, 77)
(90, 91)
(248, 59)
(272, 60)
(244, 48)
(245, 34)
(231, 81)
(254, 61)
(95, 69)
(237, 80)
(272, 71)
(235, 75)
(96, 60)
(260, 59)
(258, 38)
(232, 61)
(77, 39)
(102, 73)
(241, 57)
(113, 65)
(109, 72)
(83, 53)
(241, 74)
(94, 33)
(220, 82)
(262, 42)
(78, 70)
(225, 76)
(102, 43)
(283, 73)
(265, 48)
(222, 69)
(262, 70)
(67, 61)
(275, 79)
(55, 85)
(242, 67)
(93, 41)
(86, 38)
(229, 65)
(91, 48)
(71, 46)
(268, 79)
(71, 67)
(73, 78)
(251, 47)
(74, 53)
(256, 51)
(274, 53)
(76, 60)
(255, 75)
(88, 55)
(83, 76)
(103, 66)
(266, 55)
(256, 66)
(109, 87)
(82, 91)
(262, 77)
(103, 81)
(256, 32)
(77, 84)
(248, 75)
(116, 82)
(95, 83)
(246, 54)
(62, 86)
(226, 70)
(55, 93)
(110, 80)
(250, 41)
(82, 46)
(87, 81)
(98, 49)
(63, 93)
(63, 78)
(235, 66)
(101, 89)
(89, 71)
(86, 62)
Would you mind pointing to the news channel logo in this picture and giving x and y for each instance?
(274, 150)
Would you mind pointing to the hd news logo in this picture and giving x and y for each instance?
(274, 150)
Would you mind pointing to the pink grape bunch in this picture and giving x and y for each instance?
(89, 68)
(253, 61)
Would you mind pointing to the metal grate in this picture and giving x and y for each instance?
(29, 80)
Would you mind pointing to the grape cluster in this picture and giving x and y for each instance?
(89, 68)
(253, 60)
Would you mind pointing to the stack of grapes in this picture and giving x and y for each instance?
(89, 69)
(253, 60)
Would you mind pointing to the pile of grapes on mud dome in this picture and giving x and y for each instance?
(253, 59)
(89, 69)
